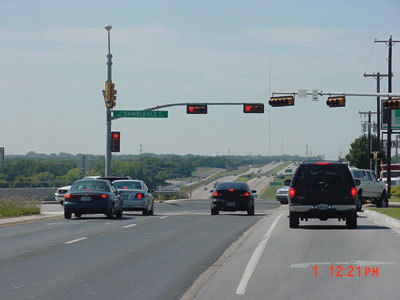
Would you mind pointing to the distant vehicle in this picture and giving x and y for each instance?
(59, 195)
(92, 196)
(136, 196)
(232, 196)
(369, 188)
(282, 195)
(205, 188)
(322, 190)
(394, 174)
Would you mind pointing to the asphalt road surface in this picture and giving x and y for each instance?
(137, 257)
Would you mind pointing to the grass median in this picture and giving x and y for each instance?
(393, 212)
(16, 207)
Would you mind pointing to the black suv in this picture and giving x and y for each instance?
(322, 190)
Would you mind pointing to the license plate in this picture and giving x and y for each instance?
(322, 206)
(86, 198)
(230, 203)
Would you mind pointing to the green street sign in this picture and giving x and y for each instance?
(275, 183)
(288, 170)
(116, 114)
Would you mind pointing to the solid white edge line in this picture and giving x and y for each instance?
(77, 240)
(128, 226)
(251, 265)
(164, 217)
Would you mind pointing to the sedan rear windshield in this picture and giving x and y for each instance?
(314, 174)
(130, 185)
(232, 185)
(87, 185)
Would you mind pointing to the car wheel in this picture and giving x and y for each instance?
(111, 212)
(383, 201)
(293, 221)
(146, 211)
(250, 212)
(351, 221)
(151, 212)
(67, 215)
(214, 211)
(119, 214)
(78, 215)
(359, 202)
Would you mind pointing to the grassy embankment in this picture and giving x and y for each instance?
(269, 193)
(16, 207)
(393, 212)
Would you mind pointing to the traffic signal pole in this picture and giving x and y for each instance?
(108, 111)
(389, 43)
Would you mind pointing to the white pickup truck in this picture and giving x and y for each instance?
(369, 188)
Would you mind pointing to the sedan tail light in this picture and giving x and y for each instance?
(139, 196)
(246, 194)
(103, 196)
(292, 192)
(67, 196)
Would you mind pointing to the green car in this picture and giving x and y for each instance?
(92, 196)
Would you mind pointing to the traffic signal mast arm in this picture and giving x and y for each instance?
(345, 94)
(198, 104)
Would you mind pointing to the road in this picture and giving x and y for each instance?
(319, 260)
(137, 257)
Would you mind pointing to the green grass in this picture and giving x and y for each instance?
(394, 199)
(16, 207)
(393, 212)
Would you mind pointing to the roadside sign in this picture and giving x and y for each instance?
(116, 114)
(314, 95)
(1, 156)
(302, 93)
(394, 144)
(288, 170)
(275, 183)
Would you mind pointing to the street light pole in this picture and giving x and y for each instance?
(108, 111)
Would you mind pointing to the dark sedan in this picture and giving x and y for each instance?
(232, 196)
(92, 196)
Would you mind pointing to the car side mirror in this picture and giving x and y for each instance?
(254, 191)
(357, 182)
(287, 182)
(211, 191)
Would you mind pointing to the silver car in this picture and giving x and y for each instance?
(135, 196)
(59, 195)
(282, 195)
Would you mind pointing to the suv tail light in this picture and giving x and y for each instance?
(353, 192)
(215, 194)
(246, 194)
(292, 192)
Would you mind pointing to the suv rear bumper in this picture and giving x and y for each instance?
(332, 211)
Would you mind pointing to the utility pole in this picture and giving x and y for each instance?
(389, 43)
(108, 111)
(369, 124)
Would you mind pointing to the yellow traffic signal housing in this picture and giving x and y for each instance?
(253, 108)
(392, 103)
(282, 101)
(110, 94)
(337, 101)
(196, 109)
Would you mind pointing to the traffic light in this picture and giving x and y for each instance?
(253, 108)
(115, 141)
(281, 101)
(337, 101)
(392, 103)
(196, 109)
(110, 94)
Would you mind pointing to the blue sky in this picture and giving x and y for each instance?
(53, 56)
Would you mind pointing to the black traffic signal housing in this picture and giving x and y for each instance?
(253, 108)
(392, 103)
(111, 93)
(281, 101)
(196, 108)
(337, 101)
(115, 141)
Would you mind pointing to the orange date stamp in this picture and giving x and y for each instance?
(350, 271)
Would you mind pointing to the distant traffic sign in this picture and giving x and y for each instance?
(275, 183)
(302, 93)
(288, 170)
(315, 95)
(116, 114)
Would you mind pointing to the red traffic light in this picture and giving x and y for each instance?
(115, 141)
(257, 108)
(196, 109)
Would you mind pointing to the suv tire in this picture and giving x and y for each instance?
(214, 211)
(382, 201)
(293, 221)
(351, 221)
(359, 201)
(67, 215)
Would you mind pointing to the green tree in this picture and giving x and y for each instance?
(358, 155)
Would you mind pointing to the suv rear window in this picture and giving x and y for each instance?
(314, 174)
